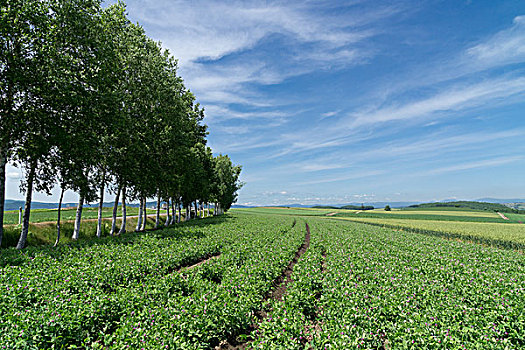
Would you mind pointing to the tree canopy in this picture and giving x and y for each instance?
(90, 102)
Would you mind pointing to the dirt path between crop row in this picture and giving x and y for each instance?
(204, 260)
(502, 216)
(280, 284)
(331, 214)
(286, 277)
(316, 325)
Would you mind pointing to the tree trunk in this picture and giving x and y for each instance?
(195, 206)
(167, 213)
(27, 209)
(101, 205)
(3, 162)
(180, 213)
(173, 213)
(187, 213)
(78, 218)
(139, 219)
(115, 209)
(208, 210)
(58, 215)
(123, 225)
(157, 219)
(144, 214)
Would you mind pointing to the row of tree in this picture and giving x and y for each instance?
(88, 101)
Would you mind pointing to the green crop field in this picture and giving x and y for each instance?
(45, 215)
(500, 234)
(42, 230)
(440, 211)
(457, 223)
(441, 216)
(251, 279)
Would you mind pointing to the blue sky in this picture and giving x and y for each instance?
(354, 101)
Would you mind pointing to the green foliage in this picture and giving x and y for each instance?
(356, 286)
(366, 287)
(134, 291)
(411, 215)
(227, 181)
(90, 101)
(348, 207)
(387, 208)
(507, 236)
(466, 205)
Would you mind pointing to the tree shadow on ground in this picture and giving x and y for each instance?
(183, 230)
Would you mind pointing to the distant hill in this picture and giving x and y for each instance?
(348, 207)
(325, 207)
(501, 201)
(467, 205)
(358, 207)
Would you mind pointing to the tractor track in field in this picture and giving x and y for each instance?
(193, 264)
(286, 277)
(280, 285)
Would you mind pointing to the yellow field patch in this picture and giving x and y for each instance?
(503, 231)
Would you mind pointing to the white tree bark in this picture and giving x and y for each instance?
(58, 215)
(124, 217)
(101, 205)
(196, 209)
(168, 219)
(157, 219)
(139, 219)
(3, 162)
(27, 209)
(144, 214)
(115, 209)
(173, 213)
(78, 218)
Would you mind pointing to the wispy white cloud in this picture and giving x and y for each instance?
(486, 163)
(505, 47)
(452, 99)
(226, 113)
(214, 29)
(202, 33)
(341, 178)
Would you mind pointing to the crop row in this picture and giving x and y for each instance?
(414, 215)
(378, 288)
(135, 293)
(506, 236)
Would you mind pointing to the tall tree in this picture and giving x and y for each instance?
(228, 183)
(23, 27)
